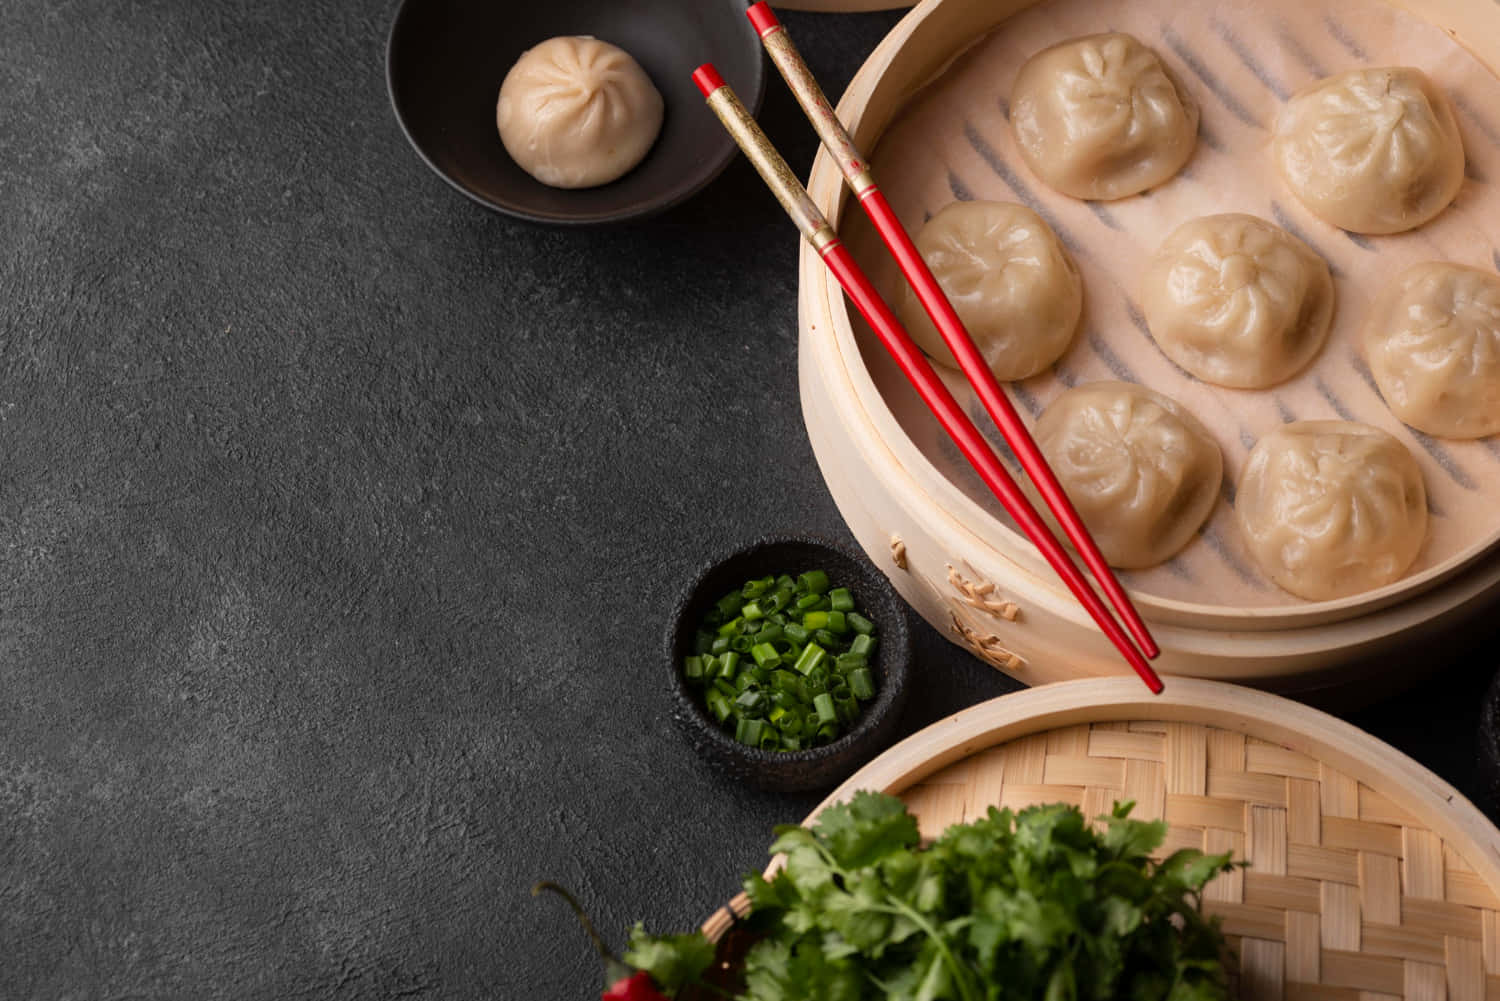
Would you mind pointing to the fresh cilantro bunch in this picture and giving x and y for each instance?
(1035, 905)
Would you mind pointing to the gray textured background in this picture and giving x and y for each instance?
(338, 519)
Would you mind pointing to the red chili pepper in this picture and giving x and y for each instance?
(637, 987)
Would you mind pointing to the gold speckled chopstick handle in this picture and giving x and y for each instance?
(831, 132)
(768, 163)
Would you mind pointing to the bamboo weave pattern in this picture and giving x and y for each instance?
(1347, 897)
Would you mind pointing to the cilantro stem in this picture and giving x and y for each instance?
(900, 907)
(960, 973)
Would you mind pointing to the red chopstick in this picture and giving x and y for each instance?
(816, 230)
(856, 170)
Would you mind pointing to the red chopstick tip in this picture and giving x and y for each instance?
(762, 17)
(707, 78)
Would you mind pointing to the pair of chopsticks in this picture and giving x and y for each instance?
(817, 231)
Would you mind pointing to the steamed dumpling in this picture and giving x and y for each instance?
(575, 112)
(1142, 471)
(1371, 150)
(1331, 508)
(1102, 117)
(1433, 343)
(1009, 279)
(1237, 301)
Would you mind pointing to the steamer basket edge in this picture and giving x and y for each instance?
(1048, 638)
(1425, 798)
(867, 460)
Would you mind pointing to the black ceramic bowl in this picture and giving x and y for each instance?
(446, 59)
(821, 767)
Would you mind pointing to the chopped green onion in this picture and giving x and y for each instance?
(751, 703)
(755, 588)
(765, 655)
(775, 682)
(718, 704)
(850, 662)
(815, 581)
(812, 657)
(748, 731)
(862, 683)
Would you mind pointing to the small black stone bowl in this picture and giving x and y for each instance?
(820, 767)
(446, 59)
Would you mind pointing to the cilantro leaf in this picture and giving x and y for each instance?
(1006, 907)
(1035, 905)
(672, 960)
(866, 828)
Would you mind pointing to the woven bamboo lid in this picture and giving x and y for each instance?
(1369, 876)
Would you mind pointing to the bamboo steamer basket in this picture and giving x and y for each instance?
(1369, 877)
(916, 509)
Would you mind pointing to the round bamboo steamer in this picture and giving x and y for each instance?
(1369, 876)
(970, 573)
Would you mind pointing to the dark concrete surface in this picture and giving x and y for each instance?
(338, 519)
